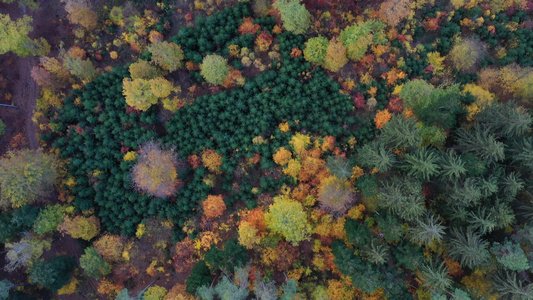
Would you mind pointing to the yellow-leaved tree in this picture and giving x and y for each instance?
(81, 227)
(335, 55)
(167, 55)
(156, 171)
(138, 93)
(80, 12)
(14, 37)
(25, 177)
(287, 217)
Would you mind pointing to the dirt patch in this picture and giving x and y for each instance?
(17, 70)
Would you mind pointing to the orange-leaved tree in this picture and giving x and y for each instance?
(214, 206)
(156, 171)
(382, 117)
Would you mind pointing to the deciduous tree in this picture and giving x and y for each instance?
(25, 176)
(467, 53)
(296, 18)
(167, 55)
(14, 37)
(316, 49)
(138, 93)
(287, 217)
(80, 12)
(335, 55)
(81, 227)
(213, 206)
(155, 171)
(25, 252)
(93, 264)
(214, 69)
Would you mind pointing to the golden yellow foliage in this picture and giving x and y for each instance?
(284, 127)
(130, 156)
(436, 61)
(339, 290)
(335, 55)
(248, 235)
(212, 160)
(293, 168)
(177, 292)
(110, 247)
(478, 285)
(138, 93)
(287, 217)
(161, 87)
(483, 97)
(69, 288)
(299, 142)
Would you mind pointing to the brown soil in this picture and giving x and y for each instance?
(17, 70)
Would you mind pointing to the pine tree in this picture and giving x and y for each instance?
(422, 164)
(522, 152)
(507, 284)
(374, 155)
(400, 132)
(435, 276)
(469, 248)
(376, 252)
(512, 184)
(402, 196)
(506, 120)
(482, 142)
(427, 230)
(482, 220)
(452, 166)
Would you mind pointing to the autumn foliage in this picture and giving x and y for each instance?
(80, 227)
(156, 171)
(214, 206)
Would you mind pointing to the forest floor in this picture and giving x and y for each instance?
(17, 70)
